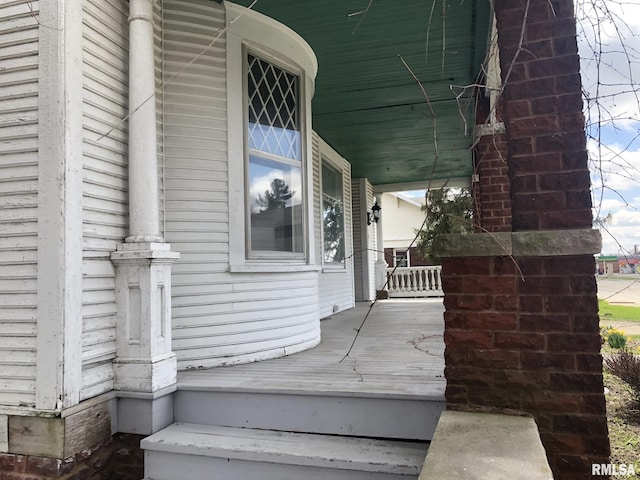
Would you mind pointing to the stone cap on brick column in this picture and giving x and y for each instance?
(538, 243)
(480, 445)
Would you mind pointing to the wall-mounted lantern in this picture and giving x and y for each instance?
(374, 214)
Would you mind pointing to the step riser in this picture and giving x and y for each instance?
(362, 417)
(172, 466)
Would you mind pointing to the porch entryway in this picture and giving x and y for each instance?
(311, 415)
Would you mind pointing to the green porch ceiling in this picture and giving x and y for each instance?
(368, 106)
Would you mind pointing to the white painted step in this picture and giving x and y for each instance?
(197, 452)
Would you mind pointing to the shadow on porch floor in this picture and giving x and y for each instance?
(399, 353)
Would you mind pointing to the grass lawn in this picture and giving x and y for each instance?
(609, 312)
(626, 319)
(623, 417)
(623, 410)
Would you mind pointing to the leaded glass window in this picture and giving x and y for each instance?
(274, 133)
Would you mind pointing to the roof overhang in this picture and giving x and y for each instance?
(394, 92)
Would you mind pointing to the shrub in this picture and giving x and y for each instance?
(614, 337)
(625, 365)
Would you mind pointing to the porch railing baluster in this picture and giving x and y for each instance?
(415, 281)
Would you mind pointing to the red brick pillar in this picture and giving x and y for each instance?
(491, 186)
(521, 320)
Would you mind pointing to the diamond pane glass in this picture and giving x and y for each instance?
(274, 125)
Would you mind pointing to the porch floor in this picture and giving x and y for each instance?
(398, 353)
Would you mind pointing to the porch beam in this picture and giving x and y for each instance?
(379, 189)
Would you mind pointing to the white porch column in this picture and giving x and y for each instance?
(143, 163)
(381, 265)
(145, 362)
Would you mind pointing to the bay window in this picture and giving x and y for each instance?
(274, 170)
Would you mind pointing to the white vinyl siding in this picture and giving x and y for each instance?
(218, 317)
(105, 197)
(18, 200)
(336, 282)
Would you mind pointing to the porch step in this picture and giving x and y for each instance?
(197, 452)
(404, 417)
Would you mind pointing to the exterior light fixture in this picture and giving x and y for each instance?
(374, 214)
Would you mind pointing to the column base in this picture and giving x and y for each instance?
(144, 360)
(381, 275)
(145, 375)
(145, 413)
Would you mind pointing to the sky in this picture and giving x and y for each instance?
(609, 45)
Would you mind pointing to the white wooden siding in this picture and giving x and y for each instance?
(402, 217)
(364, 240)
(336, 285)
(218, 317)
(104, 202)
(372, 244)
(317, 195)
(18, 200)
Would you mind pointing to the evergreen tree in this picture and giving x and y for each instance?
(277, 197)
(448, 211)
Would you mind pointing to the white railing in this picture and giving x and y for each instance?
(415, 282)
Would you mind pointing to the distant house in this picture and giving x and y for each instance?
(403, 216)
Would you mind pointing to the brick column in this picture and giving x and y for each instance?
(521, 320)
(491, 188)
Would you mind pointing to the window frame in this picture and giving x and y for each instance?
(335, 266)
(291, 68)
(271, 40)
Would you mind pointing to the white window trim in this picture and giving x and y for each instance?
(283, 64)
(277, 43)
(330, 156)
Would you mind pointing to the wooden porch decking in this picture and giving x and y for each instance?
(399, 353)
(308, 415)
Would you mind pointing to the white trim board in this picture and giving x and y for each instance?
(59, 328)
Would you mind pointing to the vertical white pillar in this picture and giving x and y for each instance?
(381, 265)
(59, 285)
(143, 163)
(145, 362)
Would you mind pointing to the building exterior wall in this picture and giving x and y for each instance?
(364, 241)
(394, 256)
(104, 188)
(401, 220)
(19, 44)
(219, 317)
(336, 282)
